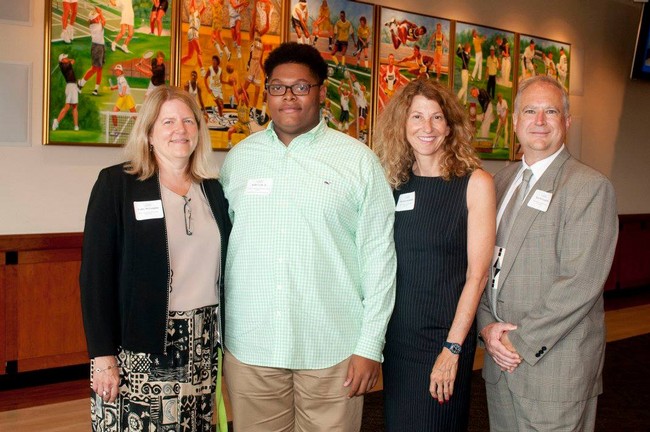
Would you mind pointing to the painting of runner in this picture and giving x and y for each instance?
(342, 31)
(483, 81)
(410, 46)
(224, 43)
(103, 56)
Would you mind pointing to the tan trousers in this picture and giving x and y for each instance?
(283, 400)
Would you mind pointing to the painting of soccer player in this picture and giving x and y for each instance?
(539, 56)
(343, 32)
(99, 36)
(485, 89)
(410, 46)
(239, 33)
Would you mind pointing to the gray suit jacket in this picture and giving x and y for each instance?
(551, 283)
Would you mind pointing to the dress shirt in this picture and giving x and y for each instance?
(310, 272)
(537, 168)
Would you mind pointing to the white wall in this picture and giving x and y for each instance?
(45, 188)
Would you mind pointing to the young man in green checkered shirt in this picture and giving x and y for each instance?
(310, 273)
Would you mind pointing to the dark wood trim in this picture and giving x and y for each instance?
(24, 242)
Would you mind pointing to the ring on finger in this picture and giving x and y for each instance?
(104, 393)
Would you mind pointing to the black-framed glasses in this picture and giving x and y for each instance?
(187, 210)
(298, 89)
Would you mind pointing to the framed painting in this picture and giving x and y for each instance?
(101, 59)
(343, 32)
(223, 45)
(410, 46)
(538, 56)
(483, 81)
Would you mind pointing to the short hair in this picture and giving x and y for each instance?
(141, 161)
(160, 54)
(542, 80)
(396, 154)
(292, 52)
(216, 57)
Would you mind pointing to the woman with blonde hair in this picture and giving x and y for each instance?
(151, 281)
(444, 238)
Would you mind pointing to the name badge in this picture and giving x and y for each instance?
(145, 210)
(405, 202)
(259, 187)
(540, 200)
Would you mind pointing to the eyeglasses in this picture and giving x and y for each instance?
(187, 210)
(299, 89)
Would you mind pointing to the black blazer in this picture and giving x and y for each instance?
(125, 270)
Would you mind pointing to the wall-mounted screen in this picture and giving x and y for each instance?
(641, 63)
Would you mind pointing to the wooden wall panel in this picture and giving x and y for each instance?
(42, 313)
(634, 251)
(48, 311)
(3, 318)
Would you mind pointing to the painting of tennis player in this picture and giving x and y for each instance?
(483, 71)
(342, 31)
(224, 43)
(102, 54)
(410, 46)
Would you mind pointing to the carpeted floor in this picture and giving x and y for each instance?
(624, 405)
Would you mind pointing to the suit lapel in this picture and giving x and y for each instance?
(502, 182)
(527, 215)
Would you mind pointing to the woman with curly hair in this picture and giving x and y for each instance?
(444, 237)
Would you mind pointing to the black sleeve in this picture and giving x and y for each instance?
(99, 275)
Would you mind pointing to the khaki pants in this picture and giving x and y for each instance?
(277, 400)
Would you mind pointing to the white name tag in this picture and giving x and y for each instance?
(145, 210)
(405, 202)
(540, 200)
(259, 187)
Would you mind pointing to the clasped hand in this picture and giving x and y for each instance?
(499, 347)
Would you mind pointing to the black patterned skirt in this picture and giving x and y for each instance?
(166, 392)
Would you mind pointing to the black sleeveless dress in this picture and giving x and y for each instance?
(431, 244)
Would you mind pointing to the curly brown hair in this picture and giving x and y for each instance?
(395, 152)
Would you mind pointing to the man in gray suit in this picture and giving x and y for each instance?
(541, 317)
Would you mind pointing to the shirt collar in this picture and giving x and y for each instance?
(539, 167)
(301, 140)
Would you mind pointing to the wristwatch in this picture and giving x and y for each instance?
(453, 347)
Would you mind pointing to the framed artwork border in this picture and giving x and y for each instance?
(98, 97)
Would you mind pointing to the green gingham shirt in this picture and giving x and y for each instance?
(310, 272)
